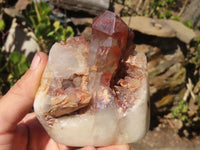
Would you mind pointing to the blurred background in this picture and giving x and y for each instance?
(167, 31)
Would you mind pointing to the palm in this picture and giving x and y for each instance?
(29, 134)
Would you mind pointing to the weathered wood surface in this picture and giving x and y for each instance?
(160, 27)
(93, 7)
(166, 70)
(192, 13)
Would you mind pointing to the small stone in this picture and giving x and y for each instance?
(22, 4)
(178, 124)
(186, 133)
(160, 27)
(118, 8)
(81, 21)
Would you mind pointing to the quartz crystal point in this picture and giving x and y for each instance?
(95, 93)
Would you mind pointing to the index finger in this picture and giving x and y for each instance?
(19, 100)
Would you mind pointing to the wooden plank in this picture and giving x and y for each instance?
(93, 7)
(192, 13)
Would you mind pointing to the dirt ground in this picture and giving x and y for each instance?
(164, 138)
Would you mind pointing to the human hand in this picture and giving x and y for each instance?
(20, 130)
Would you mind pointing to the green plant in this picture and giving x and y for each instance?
(184, 113)
(188, 110)
(12, 69)
(194, 57)
(160, 8)
(16, 66)
(150, 8)
(46, 31)
(2, 24)
(188, 24)
(168, 13)
(175, 18)
(180, 111)
(198, 40)
(59, 32)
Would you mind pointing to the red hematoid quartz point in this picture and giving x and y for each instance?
(109, 42)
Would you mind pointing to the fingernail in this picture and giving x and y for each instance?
(35, 61)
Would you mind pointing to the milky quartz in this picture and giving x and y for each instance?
(95, 93)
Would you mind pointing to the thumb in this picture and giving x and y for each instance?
(19, 99)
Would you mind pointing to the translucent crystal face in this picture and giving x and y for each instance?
(68, 66)
(95, 93)
(109, 30)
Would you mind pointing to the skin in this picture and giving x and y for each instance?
(20, 130)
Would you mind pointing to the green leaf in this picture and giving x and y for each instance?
(199, 50)
(2, 25)
(41, 30)
(160, 16)
(44, 8)
(175, 113)
(170, 1)
(185, 108)
(188, 24)
(175, 18)
(168, 13)
(160, 3)
(23, 59)
(15, 57)
(184, 118)
(16, 65)
(56, 25)
(50, 33)
(69, 31)
(198, 39)
(46, 20)
(58, 36)
(22, 68)
(10, 76)
(41, 27)
(12, 83)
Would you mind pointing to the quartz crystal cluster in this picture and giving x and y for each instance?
(96, 92)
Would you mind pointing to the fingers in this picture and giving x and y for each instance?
(112, 147)
(20, 137)
(38, 138)
(64, 147)
(88, 148)
(115, 147)
(19, 100)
